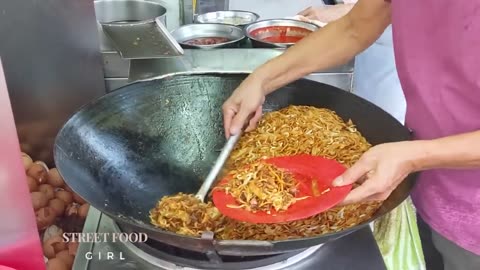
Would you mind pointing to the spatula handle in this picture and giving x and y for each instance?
(217, 167)
(222, 158)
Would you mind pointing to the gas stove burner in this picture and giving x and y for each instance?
(169, 257)
(357, 250)
(273, 262)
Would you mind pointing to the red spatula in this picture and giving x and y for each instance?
(306, 169)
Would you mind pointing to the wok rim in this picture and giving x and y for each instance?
(151, 230)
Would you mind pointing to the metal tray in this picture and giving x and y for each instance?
(142, 40)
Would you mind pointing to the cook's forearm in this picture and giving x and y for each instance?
(459, 151)
(331, 46)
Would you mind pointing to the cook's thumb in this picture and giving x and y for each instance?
(305, 12)
(239, 120)
(351, 175)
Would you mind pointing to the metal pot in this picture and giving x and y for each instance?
(128, 11)
(238, 18)
(110, 11)
(135, 28)
(191, 31)
(256, 36)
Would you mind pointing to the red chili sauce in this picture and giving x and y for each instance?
(280, 34)
(206, 41)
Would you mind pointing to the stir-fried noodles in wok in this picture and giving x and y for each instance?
(185, 214)
(262, 187)
(289, 131)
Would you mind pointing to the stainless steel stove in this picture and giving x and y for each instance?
(357, 251)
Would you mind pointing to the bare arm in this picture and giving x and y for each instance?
(390, 163)
(333, 45)
(330, 46)
(459, 151)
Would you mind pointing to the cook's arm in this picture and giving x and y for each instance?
(349, 36)
(458, 151)
(390, 163)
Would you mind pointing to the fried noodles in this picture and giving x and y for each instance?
(185, 214)
(262, 187)
(289, 131)
(300, 130)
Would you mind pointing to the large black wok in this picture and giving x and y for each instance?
(126, 150)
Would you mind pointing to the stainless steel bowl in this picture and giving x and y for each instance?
(233, 17)
(257, 38)
(191, 31)
(110, 13)
(128, 11)
(135, 28)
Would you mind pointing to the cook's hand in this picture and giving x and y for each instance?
(312, 13)
(327, 13)
(382, 169)
(248, 98)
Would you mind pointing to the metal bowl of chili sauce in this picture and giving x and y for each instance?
(278, 33)
(208, 36)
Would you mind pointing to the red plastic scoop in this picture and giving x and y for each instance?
(306, 169)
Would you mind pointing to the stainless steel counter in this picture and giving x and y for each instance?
(121, 72)
(214, 60)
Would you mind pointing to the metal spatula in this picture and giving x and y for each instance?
(218, 166)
